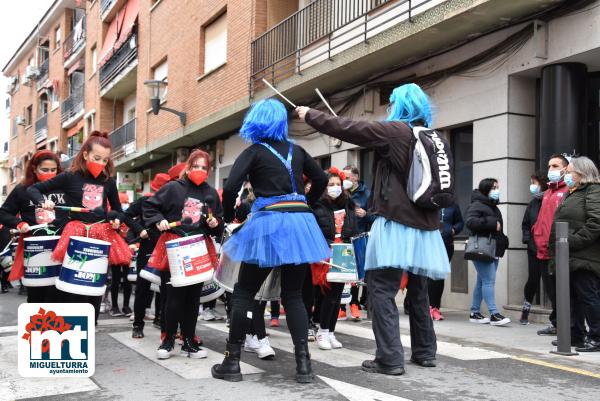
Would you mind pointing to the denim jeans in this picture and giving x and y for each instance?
(485, 286)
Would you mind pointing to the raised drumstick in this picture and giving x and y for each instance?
(325, 101)
(279, 93)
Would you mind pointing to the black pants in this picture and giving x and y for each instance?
(318, 300)
(243, 304)
(549, 281)
(535, 267)
(330, 305)
(164, 278)
(143, 295)
(182, 306)
(585, 304)
(257, 327)
(119, 274)
(383, 286)
(94, 301)
(209, 304)
(47, 293)
(4, 279)
(308, 294)
(435, 288)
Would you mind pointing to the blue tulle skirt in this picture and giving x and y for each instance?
(273, 238)
(394, 245)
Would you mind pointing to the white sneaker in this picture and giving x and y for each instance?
(208, 315)
(217, 315)
(323, 340)
(103, 308)
(149, 315)
(334, 342)
(265, 351)
(251, 344)
(132, 317)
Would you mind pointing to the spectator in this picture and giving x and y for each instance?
(484, 219)
(581, 209)
(539, 185)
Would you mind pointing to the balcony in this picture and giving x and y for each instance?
(123, 139)
(41, 129)
(72, 107)
(119, 74)
(110, 8)
(74, 44)
(43, 75)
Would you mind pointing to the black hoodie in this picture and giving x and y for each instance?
(482, 218)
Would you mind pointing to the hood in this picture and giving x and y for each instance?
(478, 196)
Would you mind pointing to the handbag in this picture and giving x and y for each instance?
(482, 249)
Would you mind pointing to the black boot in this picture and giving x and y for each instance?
(229, 369)
(304, 373)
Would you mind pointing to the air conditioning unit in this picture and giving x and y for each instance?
(19, 120)
(31, 72)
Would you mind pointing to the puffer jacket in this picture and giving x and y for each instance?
(324, 210)
(482, 218)
(529, 220)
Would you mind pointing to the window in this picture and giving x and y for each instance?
(461, 142)
(74, 144)
(53, 146)
(29, 115)
(215, 44)
(43, 104)
(94, 57)
(57, 38)
(15, 128)
(160, 73)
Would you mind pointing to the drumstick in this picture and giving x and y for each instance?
(207, 201)
(325, 101)
(334, 265)
(187, 221)
(44, 225)
(73, 209)
(279, 93)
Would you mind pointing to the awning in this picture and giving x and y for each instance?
(119, 29)
(76, 128)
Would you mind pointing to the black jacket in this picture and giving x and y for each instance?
(19, 203)
(529, 219)
(482, 217)
(324, 212)
(450, 219)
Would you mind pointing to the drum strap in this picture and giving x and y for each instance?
(286, 162)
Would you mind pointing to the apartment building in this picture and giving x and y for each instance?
(512, 82)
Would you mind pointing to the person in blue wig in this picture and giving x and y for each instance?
(280, 233)
(404, 236)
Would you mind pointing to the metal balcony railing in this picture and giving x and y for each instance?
(118, 61)
(105, 5)
(75, 40)
(277, 53)
(43, 76)
(121, 137)
(73, 104)
(41, 128)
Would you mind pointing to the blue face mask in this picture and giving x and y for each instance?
(534, 189)
(495, 194)
(554, 175)
(569, 180)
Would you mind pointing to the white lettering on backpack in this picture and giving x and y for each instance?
(442, 160)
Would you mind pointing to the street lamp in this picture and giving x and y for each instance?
(156, 90)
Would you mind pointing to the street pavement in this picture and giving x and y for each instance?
(475, 362)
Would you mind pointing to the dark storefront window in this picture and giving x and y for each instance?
(461, 141)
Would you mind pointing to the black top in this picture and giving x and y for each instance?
(269, 176)
(182, 199)
(529, 220)
(324, 211)
(482, 218)
(82, 190)
(19, 202)
(134, 212)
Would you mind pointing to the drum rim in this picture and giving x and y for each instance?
(189, 237)
(89, 240)
(42, 238)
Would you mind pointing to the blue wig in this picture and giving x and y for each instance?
(267, 119)
(409, 104)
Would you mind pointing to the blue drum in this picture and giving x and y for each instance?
(360, 251)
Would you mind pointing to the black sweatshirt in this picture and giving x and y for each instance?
(179, 199)
(269, 176)
(134, 212)
(82, 190)
(19, 202)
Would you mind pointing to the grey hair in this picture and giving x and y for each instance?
(586, 169)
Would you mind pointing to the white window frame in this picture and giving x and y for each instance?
(161, 72)
(94, 57)
(215, 44)
(57, 37)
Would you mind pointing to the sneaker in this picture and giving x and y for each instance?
(166, 348)
(498, 320)
(228, 322)
(525, 313)
(132, 317)
(115, 311)
(103, 307)
(574, 343)
(218, 316)
(208, 314)
(342, 315)
(198, 341)
(149, 315)
(478, 318)
(251, 344)
(156, 322)
(311, 335)
(137, 332)
(264, 350)
(323, 340)
(548, 331)
(431, 312)
(335, 344)
(275, 322)
(436, 314)
(163, 335)
(355, 312)
(127, 311)
(192, 350)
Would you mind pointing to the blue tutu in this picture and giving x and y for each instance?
(394, 245)
(273, 238)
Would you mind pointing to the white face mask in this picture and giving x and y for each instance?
(125, 206)
(334, 192)
(347, 184)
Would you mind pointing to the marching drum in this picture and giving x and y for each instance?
(346, 295)
(132, 273)
(343, 265)
(151, 274)
(359, 243)
(189, 261)
(85, 267)
(211, 291)
(40, 269)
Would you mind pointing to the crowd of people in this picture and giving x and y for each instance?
(279, 215)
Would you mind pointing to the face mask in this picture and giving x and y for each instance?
(554, 175)
(534, 189)
(197, 176)
(125, 206)
(334, 192)
(495, 194)
(569, 180)
(94, 168)
(347, 184)
(45, 176)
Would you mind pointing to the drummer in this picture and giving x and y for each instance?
(193, 198)
(43, 166)
(336, 216)
(88, 184)
(281, 232)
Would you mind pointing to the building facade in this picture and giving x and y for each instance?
(511, 81)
